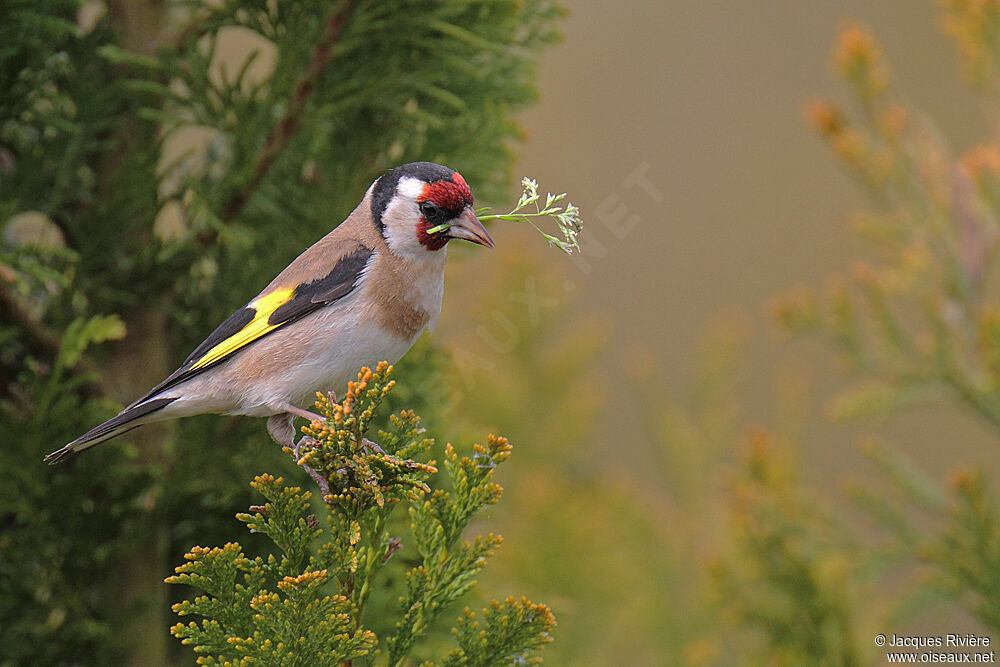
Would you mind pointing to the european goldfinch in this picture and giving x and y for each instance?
(361, 294)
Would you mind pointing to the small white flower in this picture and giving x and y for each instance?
(567, 217)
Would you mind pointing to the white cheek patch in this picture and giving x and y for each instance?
(399, 226)
(411, 188)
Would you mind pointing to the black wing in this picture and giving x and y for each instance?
(266, 314)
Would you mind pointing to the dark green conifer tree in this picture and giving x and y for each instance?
(124, 242)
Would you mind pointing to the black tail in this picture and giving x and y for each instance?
(120, 423)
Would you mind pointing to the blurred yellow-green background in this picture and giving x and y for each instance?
(707, 100)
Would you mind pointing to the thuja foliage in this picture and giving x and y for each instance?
(152, 178)
(48, 584)
(967, 552)
(919, 323)
(792, 578)
(304, 603)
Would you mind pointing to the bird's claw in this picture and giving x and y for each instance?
(324, 486)
(295, 448)
(371, 446)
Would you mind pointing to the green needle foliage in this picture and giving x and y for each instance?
(508, 624)
(790, 580)
(255, 610)
(304, 604)
(967, 552)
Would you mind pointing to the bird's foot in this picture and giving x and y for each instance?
(321, 482)
(295, 448)
(324, 486)
(371, 446)
(282, 431)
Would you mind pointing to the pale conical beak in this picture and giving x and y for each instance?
(467, 226)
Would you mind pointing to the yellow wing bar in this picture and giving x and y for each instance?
(253, 330)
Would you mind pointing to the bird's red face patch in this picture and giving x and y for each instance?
(451, 197)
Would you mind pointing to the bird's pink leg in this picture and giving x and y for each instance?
(305, 414)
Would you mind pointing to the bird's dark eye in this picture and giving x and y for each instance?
(429, 211)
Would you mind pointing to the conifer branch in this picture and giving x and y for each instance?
(309, 600)
(40, 338)
(284, 129)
